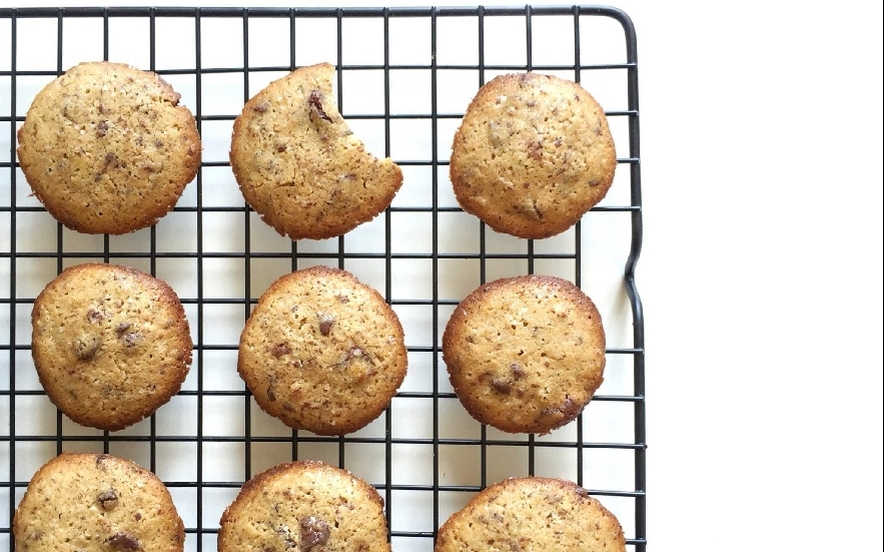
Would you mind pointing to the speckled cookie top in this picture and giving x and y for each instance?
(532, 514)
(525, 354)
(96, 503)
(107, 148)
(111, 344)
(305, 507)
(532, 155)
(322, 351)
(299, 165)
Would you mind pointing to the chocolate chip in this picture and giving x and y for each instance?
(261, 107)
(325, 323)
(568, 410)
(517, 370)
(280, 148)
(280, 349)
(101, 129)
(537, 210)
(108, 499)
(535, 150)
(110, 162)
(271, 395)
(86, 347)
(315, 102)
(122, 327)
(501, 385)
(343, 298)
(137, 516)
(354, 352)
(94, 316)
(131, 339)
(314, 532)
(595, 182)
(124, 541)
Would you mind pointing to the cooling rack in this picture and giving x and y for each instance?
(404, 77)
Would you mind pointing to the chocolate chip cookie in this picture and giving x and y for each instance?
(305, 506)
(110, 343)
(532, 513)
(299, 165)
(533, 154)
(107, 148)
(322, 351)
(96, 503)
(525, 354)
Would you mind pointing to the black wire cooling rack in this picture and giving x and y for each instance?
(404, 78)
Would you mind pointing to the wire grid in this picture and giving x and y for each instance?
(403, 92)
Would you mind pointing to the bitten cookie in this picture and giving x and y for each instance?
(305, 507)
(96, 503)
(111, 344)
(532, 513)
(107, 148)
(532, 155)
(299, 165)
(322, 351)
(525, 354)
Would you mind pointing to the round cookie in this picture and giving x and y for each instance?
(305, 506)
(96, 503)
(532, 155)
(322, 351)
(532, 513)
(299, 165)
(107, 149)
(525, 354)
(111, 344)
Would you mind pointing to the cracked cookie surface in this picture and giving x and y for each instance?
(111, 344)
(299, 165)
(532, 514)
(322, 351)
(96, 502)
(525, 354)
(532, 155)
(107, 148)
(305, 506)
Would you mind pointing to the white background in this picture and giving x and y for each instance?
(761, 271)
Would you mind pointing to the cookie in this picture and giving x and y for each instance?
(299, 165)
(107, 148)
(96, 502)
(111, 344)
(532, 155)
(305, 507)
(322, 351)
(532, 513)
(525, 354)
